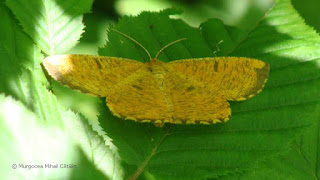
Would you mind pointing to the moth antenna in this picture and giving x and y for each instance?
(133, 41)
(169, 45)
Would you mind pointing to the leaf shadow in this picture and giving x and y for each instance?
(17, 58)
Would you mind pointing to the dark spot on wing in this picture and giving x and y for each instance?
(98, 64)
(215, 66)
(137, 87)
(190, 88)
(151, 26)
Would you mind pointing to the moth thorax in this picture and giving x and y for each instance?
(155, 66)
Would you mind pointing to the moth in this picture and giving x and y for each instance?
(188, 91)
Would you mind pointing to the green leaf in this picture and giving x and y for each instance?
(28, 148)
(20, 70)
(241, 13)
(94, 35)
(301, 162)
(260, 128)
(93, 145)
(22, 77)
(309, 10)
(54, 25)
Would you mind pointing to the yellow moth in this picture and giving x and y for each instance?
(188, 91)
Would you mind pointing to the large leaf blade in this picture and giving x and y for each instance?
(260, 127)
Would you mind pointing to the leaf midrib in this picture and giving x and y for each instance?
(313, 172)
(48, 26)
(143, 165)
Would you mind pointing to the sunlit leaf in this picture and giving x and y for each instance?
(54, 25)
(31, 150)
(23, 78)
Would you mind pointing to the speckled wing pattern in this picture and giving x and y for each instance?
(139, 98)
(191, 91)
(231, 78)
(90, 74)
(166, 99)
(192, 104)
